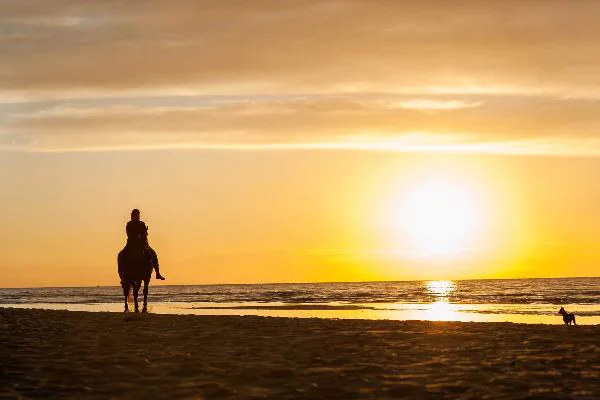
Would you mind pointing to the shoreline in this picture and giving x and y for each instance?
(436, 311)
(67, 354)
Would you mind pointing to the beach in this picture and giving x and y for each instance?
(64, 354)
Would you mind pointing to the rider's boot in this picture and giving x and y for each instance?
(159, 276)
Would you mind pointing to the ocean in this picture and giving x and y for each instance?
(510, 300)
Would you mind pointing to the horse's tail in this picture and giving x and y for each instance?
(120, 265)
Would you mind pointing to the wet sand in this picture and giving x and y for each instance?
(62, 354)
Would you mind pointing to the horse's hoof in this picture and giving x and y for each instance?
(137, 311)
(144, 310)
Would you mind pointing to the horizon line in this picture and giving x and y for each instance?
(313, 282)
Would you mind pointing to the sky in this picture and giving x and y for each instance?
(269, 141)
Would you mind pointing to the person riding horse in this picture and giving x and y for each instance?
(137, 236)
(136, 262)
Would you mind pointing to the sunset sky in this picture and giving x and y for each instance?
(289, 141)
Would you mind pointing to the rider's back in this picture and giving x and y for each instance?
(137, 232)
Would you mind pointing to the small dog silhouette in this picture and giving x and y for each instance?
(567, 317)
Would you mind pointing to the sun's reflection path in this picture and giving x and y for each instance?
(440, 309)
(440, 290)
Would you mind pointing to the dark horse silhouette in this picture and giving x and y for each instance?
(135, 264)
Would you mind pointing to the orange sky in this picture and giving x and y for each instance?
(272, 141)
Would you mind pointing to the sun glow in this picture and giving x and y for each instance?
(439, 218)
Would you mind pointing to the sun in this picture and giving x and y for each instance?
(439, 218)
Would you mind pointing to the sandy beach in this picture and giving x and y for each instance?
(62, 354)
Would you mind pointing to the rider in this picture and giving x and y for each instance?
(137, 230)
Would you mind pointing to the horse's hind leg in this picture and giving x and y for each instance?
(146, 283)
(136, 289)
(125, 287)
(124, 284)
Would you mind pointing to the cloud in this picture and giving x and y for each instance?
(346, 73)
(369, 122)
(428, 104)
(66, 45)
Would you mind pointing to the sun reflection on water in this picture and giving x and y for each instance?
(440, 290)
(440, 309)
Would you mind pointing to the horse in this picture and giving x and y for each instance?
(135, 264)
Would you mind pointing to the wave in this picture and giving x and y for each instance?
(565, 291)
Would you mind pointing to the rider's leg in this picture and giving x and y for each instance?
(155, 264)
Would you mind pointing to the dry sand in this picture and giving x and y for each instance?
(61, 354)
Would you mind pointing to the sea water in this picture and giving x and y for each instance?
(510, 300)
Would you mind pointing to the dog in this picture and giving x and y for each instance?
(567, 317)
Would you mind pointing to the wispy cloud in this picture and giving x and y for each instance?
(428, 104)
(350, 74)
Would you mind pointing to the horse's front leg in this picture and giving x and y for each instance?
(136, 290)
(146, 283)
(125, 287)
